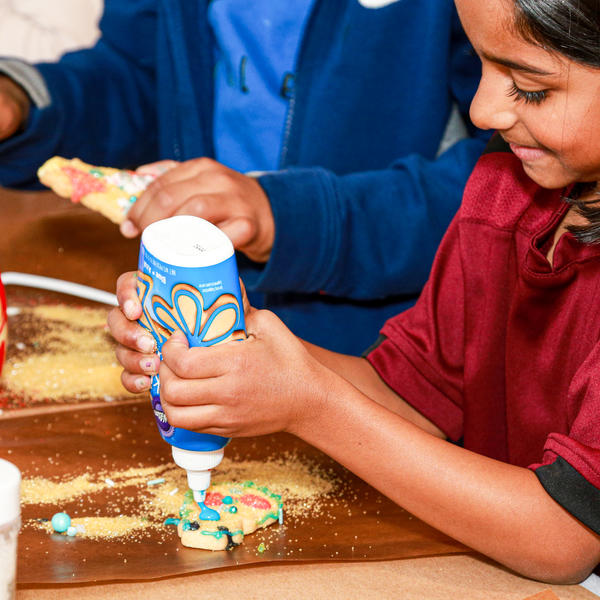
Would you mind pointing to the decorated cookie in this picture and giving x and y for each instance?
(106, 190)
(243, 508)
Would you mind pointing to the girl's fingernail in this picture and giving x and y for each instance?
(146, 344)
(142, 383)
(147, 365)
(129, 309)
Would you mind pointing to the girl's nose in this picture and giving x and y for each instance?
(492, 107)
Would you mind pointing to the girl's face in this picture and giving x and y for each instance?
(544, 105)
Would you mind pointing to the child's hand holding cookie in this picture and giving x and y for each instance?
(234, 202)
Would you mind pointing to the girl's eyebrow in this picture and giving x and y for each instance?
(515, 66)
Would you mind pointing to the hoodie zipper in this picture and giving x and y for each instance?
(292, 94)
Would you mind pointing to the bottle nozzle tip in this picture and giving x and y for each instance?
(199, 495)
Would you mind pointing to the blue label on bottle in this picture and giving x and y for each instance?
(203, 302)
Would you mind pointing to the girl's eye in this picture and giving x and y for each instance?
(529, 97)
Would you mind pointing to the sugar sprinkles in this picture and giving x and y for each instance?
(68, 357)
(303, 487)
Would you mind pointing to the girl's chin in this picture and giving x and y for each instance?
(546, 177)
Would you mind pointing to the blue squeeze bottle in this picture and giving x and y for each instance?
(188, 280)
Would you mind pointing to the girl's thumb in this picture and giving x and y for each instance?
(178, 338)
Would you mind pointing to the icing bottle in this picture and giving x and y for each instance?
(188, 280)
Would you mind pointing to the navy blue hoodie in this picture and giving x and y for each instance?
(366, 185)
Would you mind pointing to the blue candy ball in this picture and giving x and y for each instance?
(61, 522)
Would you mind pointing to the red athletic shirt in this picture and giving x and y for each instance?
(502, 350)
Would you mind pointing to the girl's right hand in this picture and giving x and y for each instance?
(266, 383)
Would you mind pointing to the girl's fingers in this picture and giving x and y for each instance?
(267, 325)
(203, 418)
(127, 295)
(129, 333)
(136, 363)
(198, 363)
(218, 390)
(135, 383)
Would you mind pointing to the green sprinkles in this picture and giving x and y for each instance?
(261, 548)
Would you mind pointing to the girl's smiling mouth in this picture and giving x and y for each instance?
(527, 154)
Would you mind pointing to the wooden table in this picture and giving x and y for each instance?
(48, 236)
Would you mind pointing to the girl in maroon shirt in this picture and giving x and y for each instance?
(500, 353)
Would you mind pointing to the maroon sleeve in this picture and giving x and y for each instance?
(570, 468)
(421, 352)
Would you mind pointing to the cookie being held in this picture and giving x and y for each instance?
(243, 508)
(109, 191)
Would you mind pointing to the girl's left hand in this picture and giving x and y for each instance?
(135, 345)
(266, 383)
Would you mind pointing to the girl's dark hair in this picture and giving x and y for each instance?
(571, 28)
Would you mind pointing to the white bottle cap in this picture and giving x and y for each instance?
(198, 465)
(187, 241)
(10, 492)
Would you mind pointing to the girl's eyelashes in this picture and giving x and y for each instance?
(536, 97)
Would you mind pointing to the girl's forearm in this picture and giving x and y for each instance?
(495, 508)
(359, 372)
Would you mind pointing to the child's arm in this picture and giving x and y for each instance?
(98, 103)
(362, 375)
(271, 382)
